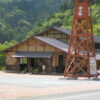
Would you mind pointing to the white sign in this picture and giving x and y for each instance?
(43, 67)
(80, 11)
(93, 67)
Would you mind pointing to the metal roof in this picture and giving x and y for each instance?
(42, 55)
(65, 31)
(54, 42)
(96, 39)
(68, 32)
(33, 54)
(97, 55)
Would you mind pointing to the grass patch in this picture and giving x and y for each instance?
(2, 68)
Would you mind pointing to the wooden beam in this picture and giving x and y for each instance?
(5, 59)
(28, 45)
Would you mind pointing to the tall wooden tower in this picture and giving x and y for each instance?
(81, 45)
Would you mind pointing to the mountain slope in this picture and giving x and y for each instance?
(20, 19)
(64, 19)
(17, 17)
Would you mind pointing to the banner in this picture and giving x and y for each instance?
(93, 67)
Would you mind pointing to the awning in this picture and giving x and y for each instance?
(33, 54)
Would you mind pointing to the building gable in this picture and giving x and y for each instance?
(35, 45)
(56, 34)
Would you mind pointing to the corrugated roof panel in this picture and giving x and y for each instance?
(33, 54)
(66, 31)
(54, 42)
(97, 55)
(96, 39)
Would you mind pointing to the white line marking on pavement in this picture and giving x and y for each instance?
(75, 96)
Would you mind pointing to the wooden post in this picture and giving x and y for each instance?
(28, 64)
(5, 60)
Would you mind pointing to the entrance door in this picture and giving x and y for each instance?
(61, 63)
(23, 64)
(61, 59)
(33, 63)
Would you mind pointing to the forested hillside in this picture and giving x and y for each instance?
(64, 18)
(22, 18)
(17, 17)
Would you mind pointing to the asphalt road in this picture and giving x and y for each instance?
(40, 82)
(28, 82)
(88, 95)
(80, 96)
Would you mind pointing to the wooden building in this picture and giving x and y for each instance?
(46, 51)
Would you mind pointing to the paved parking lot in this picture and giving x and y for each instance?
(41, 87)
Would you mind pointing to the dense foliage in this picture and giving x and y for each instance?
(22, 18)
(2, 55)
(17, 17)
(64, 19)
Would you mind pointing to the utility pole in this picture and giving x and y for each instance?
(81, 45)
